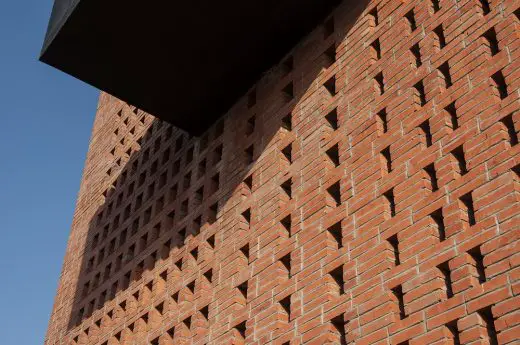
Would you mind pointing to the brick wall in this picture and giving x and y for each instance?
(366, 190)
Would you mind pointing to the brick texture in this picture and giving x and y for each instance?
(365, 191)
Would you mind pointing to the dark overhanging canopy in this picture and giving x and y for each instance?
(185, 62)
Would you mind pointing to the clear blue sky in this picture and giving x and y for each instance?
(46, 118)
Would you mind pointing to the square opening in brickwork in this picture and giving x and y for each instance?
(286, 263)
(444, 270)
(164, 275)
(173, 195)
(386, 161)
(338, 324)
(336, 233)
(175, 297)
(178, 264)
(241, 330)
(439, 38)
(334, 194)
(184, 208)
(389, 200)
(198, 196)
(332, 119)
(287, 188)
(160, 308)
(508, 125)
(431, 177)
(248, 182)
(242, 288)
(165, 156)
(195, 253)
(288, 92)
(419, 95)
(373, 17)
(375, 49)
(487, 318)
(215, 183)
(151, 190)
(205, 312)
(246, 217)
(287, 122)
(285, 303)
(197, 222)
(499, 85)
(209, 275)
(122, 305)
(147, 215)
(330, 55)
(444, 73)
(330, 86)
(382, 121)
(453, 119)
(460, 159)
(394, 245)
(415, 52)
(287, 153)
(249, 154)
(410, 19)
(467, 209)
(189, 155)
(159, 204)
(286, 224)
(131, 251)
(191, 287)
(211, 241)
(165, 249)
(379, 83)
(436, 6)
(142, 178)
(437, 219)
(333, 155)
(484, 7)
(250, 125)
(171, 333)
(477, 263)
(187, 322)
(245, 251)
(453, 332)
(212, 213)
(399, 300)
(187, 181)
(489, 39)
(182, 234)
(176, 168)
(337, 276)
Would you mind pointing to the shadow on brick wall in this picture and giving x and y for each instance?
(170, 201)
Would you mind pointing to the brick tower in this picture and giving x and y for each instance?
(365, 190)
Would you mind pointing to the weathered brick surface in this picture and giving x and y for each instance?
(375, 194)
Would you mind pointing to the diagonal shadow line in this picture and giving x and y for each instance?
(159, 231)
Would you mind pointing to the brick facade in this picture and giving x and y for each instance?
(365, 191)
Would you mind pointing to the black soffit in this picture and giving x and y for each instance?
(186, 62)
